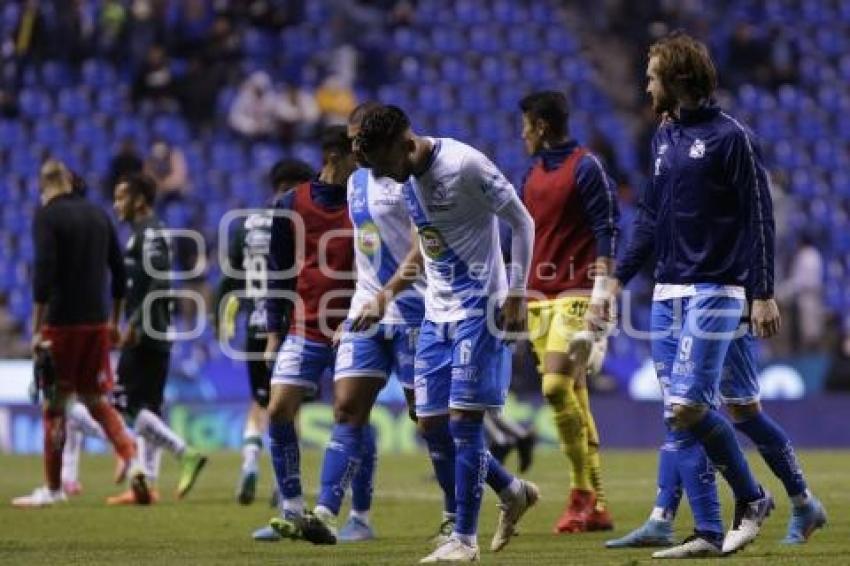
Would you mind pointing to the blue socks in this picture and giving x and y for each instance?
(286, 461)
(775, 447)
(498, 478)
(669, 481)
(718, 438)
(340, 464)
(441, 449)
(697, 476)
(363, 484)
(471, 470)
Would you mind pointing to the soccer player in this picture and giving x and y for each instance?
(317, 242)
(369, 350)
(249, 255)
(455, 197)
(75, 245)
(574, 206)
(710, 224)
(145, 346)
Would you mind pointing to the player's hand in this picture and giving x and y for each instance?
(765, 318)
(601, 314)
(130, 337)
(370, 315)
(114, 335)
(272, 346)
(514, 314)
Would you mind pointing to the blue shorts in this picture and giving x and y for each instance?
(689, 345)
(460, 365)
(384, 349)
(739, 384)
(302, 362)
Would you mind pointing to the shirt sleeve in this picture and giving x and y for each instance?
(642, 243)
(599, 199)
(744, 169)
(521, 226)
(45, 256)
(495, 190)
(281, 258)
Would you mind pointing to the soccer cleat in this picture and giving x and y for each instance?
(129, 498)
(511, 512)
(805, 520)
(247, 489)
(651, 533)
(191, 464)
(72, 487)
(444, 532)
(288, 526)
(40, 497)
(266, 534)
(599, 520)
(574, 518)
(453, 550)
(525, 450)
(356, 530)
(747, 524)
(319, 528)
(695, 546)
(139, 487)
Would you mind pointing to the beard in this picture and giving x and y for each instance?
(663, 103)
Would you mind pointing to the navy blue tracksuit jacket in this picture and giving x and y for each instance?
(706, 212)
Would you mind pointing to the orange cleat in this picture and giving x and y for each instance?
(600, 520)
(129, 498)
(579, 508)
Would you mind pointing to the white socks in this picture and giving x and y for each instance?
(252, 446)
(660, 514)
(155, 431)
(79, 424)
(150, 458)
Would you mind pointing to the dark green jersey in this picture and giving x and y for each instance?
(147, 261)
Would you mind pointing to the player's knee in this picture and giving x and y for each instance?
(427, 425)
(745, 412)
(555, 390)
(349, 411)
(686, 416)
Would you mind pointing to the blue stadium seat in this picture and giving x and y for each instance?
(55, 75)
(485, 40)
(11, 133)
(258, 43)
(74, 102)
(35, 103)
(99, 74)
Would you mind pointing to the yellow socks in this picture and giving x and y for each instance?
(560, 392)
(593, 463)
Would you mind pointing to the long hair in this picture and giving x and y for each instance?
(684, 66)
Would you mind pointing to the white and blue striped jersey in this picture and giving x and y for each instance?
(454, 204)
(381, 242)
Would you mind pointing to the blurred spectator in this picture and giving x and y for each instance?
(153, 81)
(747, 58)
(146, 28)
(223, 50)
(167, 165)
(803, 292)
(298, 112)
(189, 25)
(31, 36)
(784, 56)
(123, 163)
(112, 37)
(274, 15)
(75, 31)
(255, 112)
(9, 108)
(197, 92)
(335, 100)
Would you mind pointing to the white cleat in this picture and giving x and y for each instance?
(453, 550)
(40, 497)
(747, 524)
(694, 547)
(511, 512)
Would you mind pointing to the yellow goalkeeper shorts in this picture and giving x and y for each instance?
(553, 323)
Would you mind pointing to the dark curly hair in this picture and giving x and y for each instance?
(381, 126)
(290, 172)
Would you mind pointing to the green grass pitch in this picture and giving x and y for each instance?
(210, 528)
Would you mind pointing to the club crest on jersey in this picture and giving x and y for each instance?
(697, 150)
(368, 238)
(432, 242)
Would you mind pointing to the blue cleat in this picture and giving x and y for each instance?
(804, 521)
(266, 534)
(356, 530)
(651, 533)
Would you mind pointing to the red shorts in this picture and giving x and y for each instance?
(81, 358)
